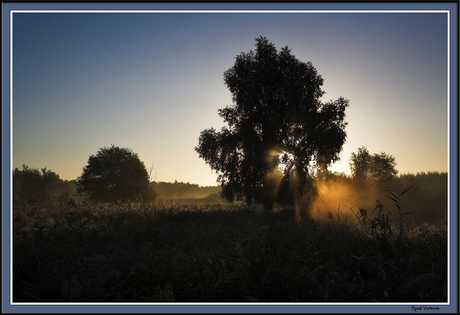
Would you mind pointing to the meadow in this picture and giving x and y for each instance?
(196, 251)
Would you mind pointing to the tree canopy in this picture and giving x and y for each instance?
(276, 118)
(115, 174)
(372, 168)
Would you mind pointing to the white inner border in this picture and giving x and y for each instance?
(232, 11)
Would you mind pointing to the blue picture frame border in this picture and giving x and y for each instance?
(8, 307)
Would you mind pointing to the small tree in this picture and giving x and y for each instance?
(384, 167)
(114, 174)
(372, 168)
(277, 117)
(361, 165)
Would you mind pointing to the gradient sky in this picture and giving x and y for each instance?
(152, 82)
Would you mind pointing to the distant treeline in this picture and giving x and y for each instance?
(180, 190)
(427, 198)
(41, 187)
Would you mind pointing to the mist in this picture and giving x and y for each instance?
(180, 190)
(338, 199)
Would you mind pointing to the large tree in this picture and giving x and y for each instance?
(276, 118)
(114, 174)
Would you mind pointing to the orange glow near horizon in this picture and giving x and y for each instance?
(333, 202)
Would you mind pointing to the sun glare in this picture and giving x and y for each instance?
(286, 159)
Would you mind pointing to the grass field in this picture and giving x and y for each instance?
(219, 253)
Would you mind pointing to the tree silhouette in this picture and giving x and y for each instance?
(31, 186)
(114, 174)
(276, 117)
(367, 168)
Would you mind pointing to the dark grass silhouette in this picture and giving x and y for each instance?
(141, 252)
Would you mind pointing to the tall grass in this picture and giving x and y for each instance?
(150, 252)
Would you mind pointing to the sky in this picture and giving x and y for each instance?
(151, 82)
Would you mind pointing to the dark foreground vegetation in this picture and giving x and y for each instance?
(140, 252)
